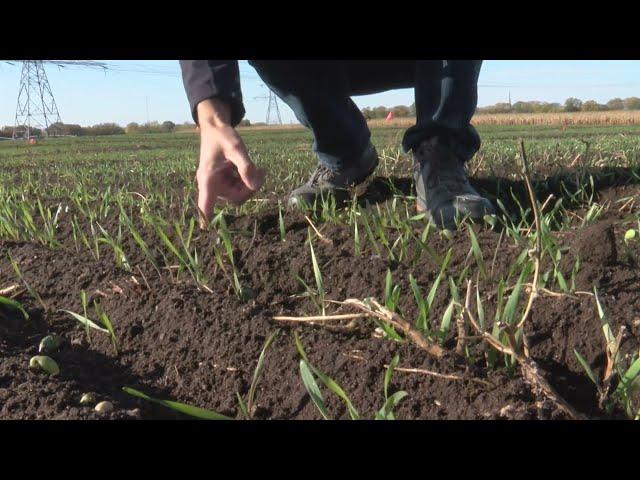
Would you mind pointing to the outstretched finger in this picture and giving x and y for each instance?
(206, 201)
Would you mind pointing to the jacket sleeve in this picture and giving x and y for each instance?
(213, 78)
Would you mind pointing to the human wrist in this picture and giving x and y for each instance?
(213, 113)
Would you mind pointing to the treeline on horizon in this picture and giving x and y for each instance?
(570, 105)
(71, 129)
(399, 111)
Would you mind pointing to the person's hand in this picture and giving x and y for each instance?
(225, 172)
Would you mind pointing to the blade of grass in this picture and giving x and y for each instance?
(183, 408)
(587, 368)
(328, 381)
(14, 305)
(313, 389)
(259, 368)
(85, 321)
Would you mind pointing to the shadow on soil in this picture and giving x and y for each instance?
(511, 192)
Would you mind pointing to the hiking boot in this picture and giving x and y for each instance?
(443, 188)
(325, 181)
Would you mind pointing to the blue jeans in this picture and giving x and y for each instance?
(319, 93)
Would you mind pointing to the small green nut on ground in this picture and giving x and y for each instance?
(44, 363)
(104, 407)
(50, 344)
(87, 399)
(630, 235)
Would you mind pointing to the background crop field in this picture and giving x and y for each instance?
(106, 227)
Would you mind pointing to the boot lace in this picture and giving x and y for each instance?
(322, 172)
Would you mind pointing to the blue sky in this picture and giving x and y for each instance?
(88, 97)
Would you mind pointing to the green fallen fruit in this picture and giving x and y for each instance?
(630, 235)
(44, 363)
(87, 399)
(50, 344)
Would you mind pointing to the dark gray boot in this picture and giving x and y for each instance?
(443, 187)
(325, 181)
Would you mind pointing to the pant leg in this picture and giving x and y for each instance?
(446, 98)
(318, 92)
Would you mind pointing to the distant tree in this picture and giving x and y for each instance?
(592, 106)
(522, 107)
(104, 129)
(615, 104)
(401, 111)
(380, 112)
(168, 127)
(132, 127)
(367, 113)
(245, 122)
(632, 103)
(60, 128)
(572, 105)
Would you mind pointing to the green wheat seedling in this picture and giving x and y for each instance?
(186, 260)
(374, 244)
(308, 371)
(391, 300)
(256, 376)
(311, 293)
(223, 234)
(425, 303)
(119, 255)
(85, 305)
(78, 232)
(593, 214)
(627, 373)
(50, 225)
(357, 246)
(390, 401)
(104, 319)
(139, 241)
(391, 293)
(477, 253)
(191, 259)
(189, 410)
(380, 232)
(14, 305)
(447, 317)
(85, 321)
(35, 295)
(317, 276)
(95, 239)
(283, 232)
(89, 324)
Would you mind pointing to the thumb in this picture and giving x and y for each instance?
(252, 176)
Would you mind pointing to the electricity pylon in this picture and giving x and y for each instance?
(273, 108)
(273, 111)
(36, 106)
